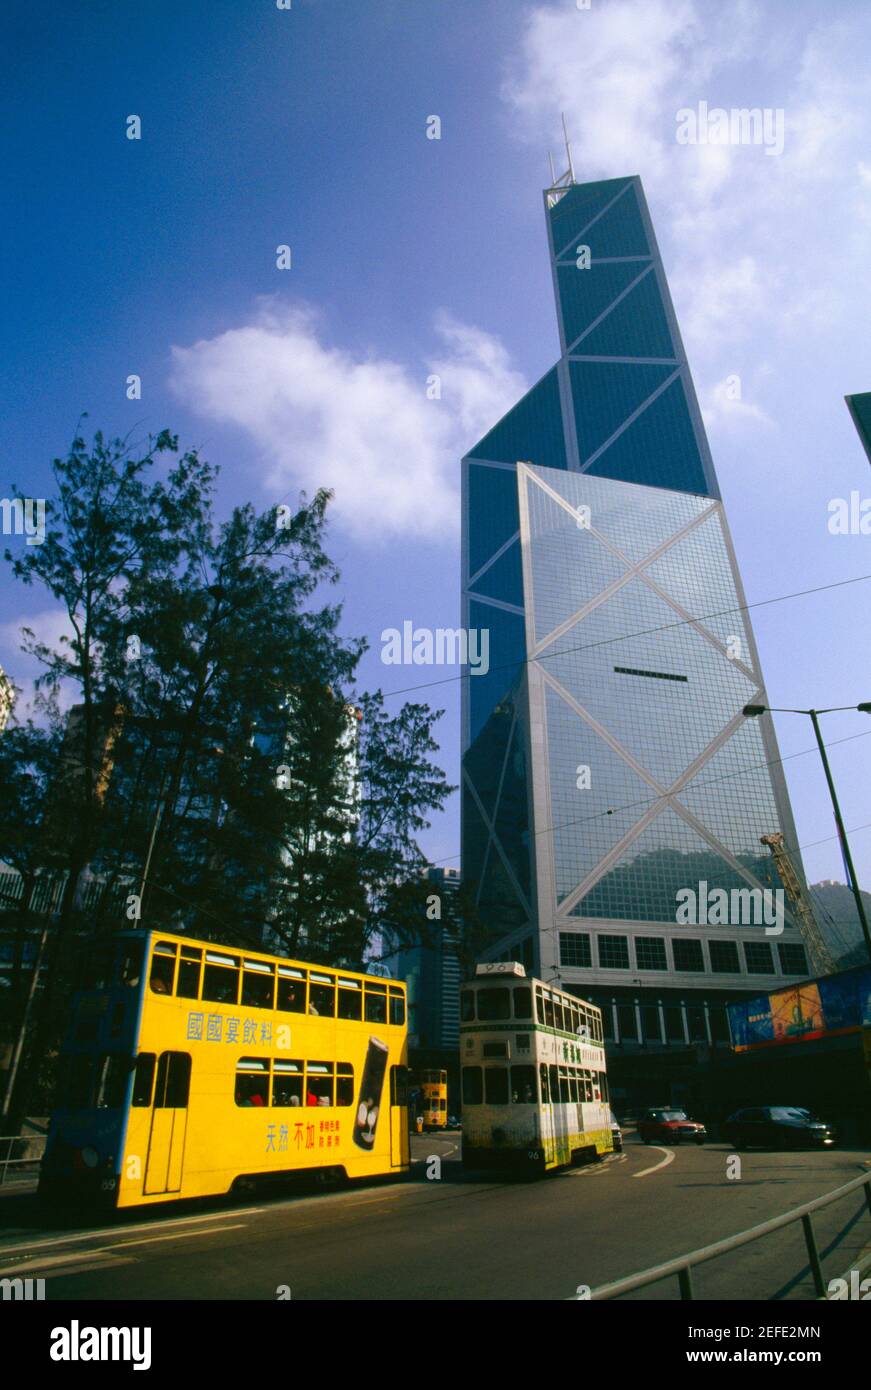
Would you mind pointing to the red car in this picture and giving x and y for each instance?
(670, 1127)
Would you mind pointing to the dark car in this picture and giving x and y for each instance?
(777, 1127)
(670, 1127)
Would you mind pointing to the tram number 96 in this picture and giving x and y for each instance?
(533, 1155)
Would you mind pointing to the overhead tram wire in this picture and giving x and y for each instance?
(628, 636)
(701, 782)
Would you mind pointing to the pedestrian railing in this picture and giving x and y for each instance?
(27, 1140)
(683, 1267)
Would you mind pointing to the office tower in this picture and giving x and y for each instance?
(607, 766)
(860, 411)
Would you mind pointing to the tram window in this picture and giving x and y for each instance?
(588, 1086)
(187, 985)
(322, 995)
(350, 999)
(493, 1004)
(130, 966)
(545, 1088)
(319, 1083)
(473, 1092)
(397, 1008)
(539, 1007)
(523, 1002)
(345, 1083)
(554, 1085)
(173, 1081)
(287, 1083)
(548, 1011)
(523, 1091)
(258, 984)
(522, 1042)
(112, 1074)
(162, 968)
(290, 997)
(376, 1004)
(252, 1081)
(558, 1020)
(603, 1085)
(496, 1085)
(221, 978)
(399, 1085)
(467, 1006)
(494, 1049)
(143, 1080)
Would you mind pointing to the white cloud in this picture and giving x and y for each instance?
(365, 427)
(724, 406)
(735, 220)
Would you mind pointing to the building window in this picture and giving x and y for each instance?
(793, 960)
(650, 953)
(759, 959)
(674, 1023)
(724, 957)
(650, 1023)
(627, 1023)
(574, 949)
(719, 1023)
(696, 1023)
(688, 954)
(613, 953)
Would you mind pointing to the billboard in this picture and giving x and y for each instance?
(821, 1008)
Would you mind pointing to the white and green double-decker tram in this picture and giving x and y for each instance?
(535, 1093)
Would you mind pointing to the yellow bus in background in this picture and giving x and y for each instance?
(434, 1099)
(190, 1067)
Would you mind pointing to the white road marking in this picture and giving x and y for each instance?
(113, 1231)
(669, 1158)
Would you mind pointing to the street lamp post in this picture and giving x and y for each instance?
(751, 712)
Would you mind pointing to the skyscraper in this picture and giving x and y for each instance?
(609, 776)
(860, 410)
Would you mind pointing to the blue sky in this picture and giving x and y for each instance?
(413, 256)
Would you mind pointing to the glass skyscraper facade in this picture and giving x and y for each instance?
(607, 765)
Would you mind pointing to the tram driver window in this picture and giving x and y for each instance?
(496, 1085)
(467, 1006)
(493, 1004)
(473, 1091)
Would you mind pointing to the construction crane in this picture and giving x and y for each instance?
(819, 952)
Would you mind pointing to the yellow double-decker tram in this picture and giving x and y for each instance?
(535, 1091)
(190, 1067)
(434, 1099)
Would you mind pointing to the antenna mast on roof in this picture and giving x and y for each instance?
(560, 186)
(571, 171)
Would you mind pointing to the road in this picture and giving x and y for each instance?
(459, 1237)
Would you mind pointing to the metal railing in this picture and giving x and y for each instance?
(683, 1266)
(10, 1140)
